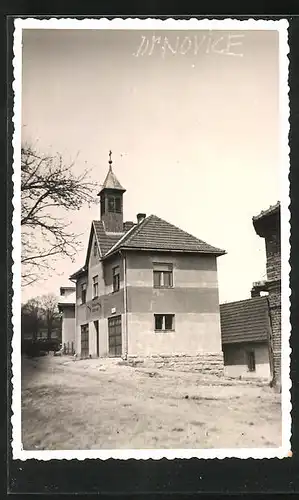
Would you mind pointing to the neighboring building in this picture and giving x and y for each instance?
(147, 288)
(66, 306)
(245, 330)
(267, 225)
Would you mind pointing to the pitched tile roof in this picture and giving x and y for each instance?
(154, 233)
(105, 240)
(244, 321)
(82, 271)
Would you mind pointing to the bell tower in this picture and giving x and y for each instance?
(111, 201)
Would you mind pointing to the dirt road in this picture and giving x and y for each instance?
(99, 404)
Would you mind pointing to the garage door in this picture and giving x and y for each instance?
(114, 333)
(84, 341)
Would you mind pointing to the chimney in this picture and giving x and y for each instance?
(140, 217)
(255, 293)
(127, 225)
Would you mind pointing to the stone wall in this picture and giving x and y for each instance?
(275, 317)
(273, 256)
(206, 363)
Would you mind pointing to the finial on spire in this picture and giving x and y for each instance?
(110, 160)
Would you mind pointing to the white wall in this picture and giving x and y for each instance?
(68, 325)
(235, 360)
(194, 333)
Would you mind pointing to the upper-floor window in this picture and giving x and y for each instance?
(114, 204)
(83, 293)
(116, 278)
(164, 322)
(95, 248)
(95, 286)
(163, 275)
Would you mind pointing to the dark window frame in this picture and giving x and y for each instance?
(116, 279)
(114, 204)
(83, 288)
(102, 202)
(95, 286)
(162, 320)
(95, 248)
(162, 278)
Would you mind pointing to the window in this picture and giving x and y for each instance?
(251, 361)
(163, 275)
(114, 204)
(102, 205)
(111, 204)
(95, 287)
(164, 322)
(95, 248)
(117, 205)
(83, 293)
(116, 278)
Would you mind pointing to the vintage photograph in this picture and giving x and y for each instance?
(151, 227)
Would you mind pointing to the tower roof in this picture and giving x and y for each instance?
(111, 181)
(266, 219)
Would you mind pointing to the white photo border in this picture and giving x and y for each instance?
(152, 24)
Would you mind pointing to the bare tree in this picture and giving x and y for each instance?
(48, 188)
(50, 311)
(32, 318)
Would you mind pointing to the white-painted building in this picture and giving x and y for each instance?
(66, 306)
(245, 334)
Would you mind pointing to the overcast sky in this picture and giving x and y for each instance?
(194, 134)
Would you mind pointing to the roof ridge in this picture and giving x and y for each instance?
(244, 300)
(267, 211)
(186, 232)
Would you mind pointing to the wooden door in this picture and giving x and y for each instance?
(96, 325)
(114, 334)
(84, 341)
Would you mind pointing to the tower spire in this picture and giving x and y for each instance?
(110, 160)
(111, 195)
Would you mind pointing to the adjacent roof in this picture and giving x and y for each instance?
(111, 181)
(245, 321)
(68, 300)
(267, 218)
(61, 305)
(154, 233)
(68, 288)
(266, 213)
(80, 272)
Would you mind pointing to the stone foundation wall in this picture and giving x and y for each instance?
(206, 363)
